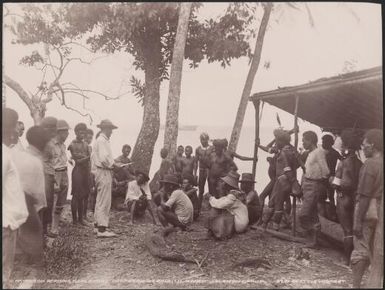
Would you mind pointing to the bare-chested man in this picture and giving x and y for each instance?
(178, 161)
(219, 165)
(189, 163)
(202, 154)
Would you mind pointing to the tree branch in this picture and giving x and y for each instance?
(20, 91)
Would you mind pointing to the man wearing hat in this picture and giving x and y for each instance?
(228, 213)
(251, 197)
(61, 174)
(138, 197)
(285, 172)
(178, 209)
(102, 163)
(49, 124)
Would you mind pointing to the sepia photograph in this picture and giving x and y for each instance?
(192, 145)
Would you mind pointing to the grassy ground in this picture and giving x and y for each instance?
(83, 261)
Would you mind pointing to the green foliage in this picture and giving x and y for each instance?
(137, 89)
(32, 59)
(144, 30)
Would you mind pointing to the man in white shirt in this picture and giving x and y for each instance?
(15, 211)
(314, 185)
(178, 209)
(102, 164)
(30, 167)
(138, 197)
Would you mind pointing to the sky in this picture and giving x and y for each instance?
(210, 94)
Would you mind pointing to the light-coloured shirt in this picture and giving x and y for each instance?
(235, 207)
(30, 168)
(15, 211)
(134, 192)
(101, 153)
(60, 155)
(48, 157)
(19, 145)
(181, 204)
(316, 165)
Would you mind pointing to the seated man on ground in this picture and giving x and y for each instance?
(178, 210)
(228, 214)
(251, 198)
(138, 197)
(123, 174)
(191, 191)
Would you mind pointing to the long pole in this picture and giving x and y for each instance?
(256, 105)
(296, 147)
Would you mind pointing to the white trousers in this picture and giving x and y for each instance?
(103, 182)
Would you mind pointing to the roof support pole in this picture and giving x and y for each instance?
(294, 227)
(256, 105)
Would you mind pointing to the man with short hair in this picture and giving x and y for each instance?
(103, 164)
(219, 165)
(49, 124)
(314, 182)
(369, 199)
(138, 197)
(178, 209)
(61, 173)
(189, 189)
(251, 197)
(332, 156)
(20, 130)
(178, 161)
(188, 163)
(202, 156)
(121, 177)
(15, 212)
(30, 167)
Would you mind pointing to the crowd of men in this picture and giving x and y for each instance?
(35, 186)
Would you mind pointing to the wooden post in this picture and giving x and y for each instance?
(256, 105)
(294, 227)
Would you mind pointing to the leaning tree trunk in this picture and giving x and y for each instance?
(171, 130)
(145, 143)
(235, 134)
(376, 276)
(37, 108)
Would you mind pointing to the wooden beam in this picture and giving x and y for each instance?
(256, 105)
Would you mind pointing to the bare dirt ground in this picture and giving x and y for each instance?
(125, 262)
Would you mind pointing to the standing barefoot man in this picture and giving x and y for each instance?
(202, 154)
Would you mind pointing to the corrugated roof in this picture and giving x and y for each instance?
(344, 101)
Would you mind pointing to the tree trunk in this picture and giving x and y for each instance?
(145, 143)
(171, 130)
(376, 276)
(235, 134)
(37, 109)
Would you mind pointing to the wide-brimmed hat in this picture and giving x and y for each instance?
(62, 125)
(247, 177)
(138, 171)
(170, 178)
(49, 123)
(232, 179)
(106, 124)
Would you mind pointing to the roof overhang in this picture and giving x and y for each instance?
(345, 101)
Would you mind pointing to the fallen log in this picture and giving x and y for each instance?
(331, 233)
(282, 236)
(157, 246)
